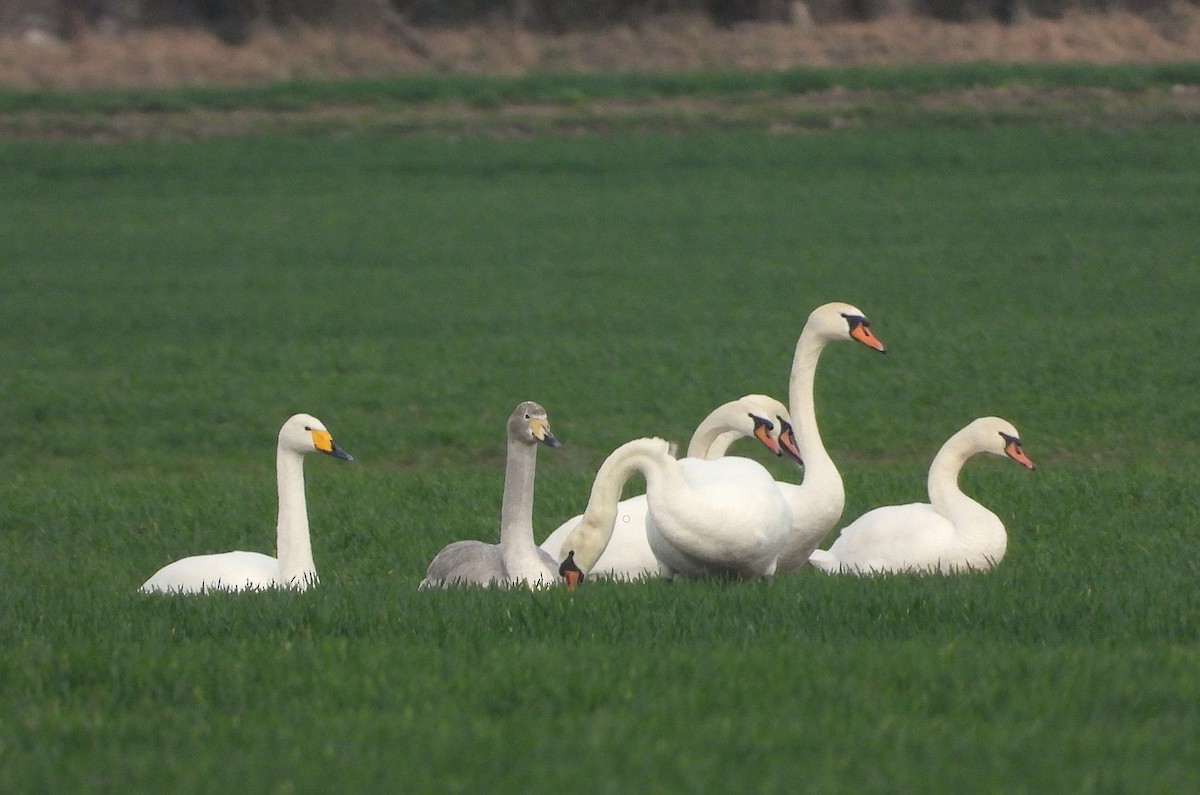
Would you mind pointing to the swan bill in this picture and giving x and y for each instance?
(540, 429)
(570, 572)
(1012, 449)
(323, 442)
(860, 331)
(787, 441)
(762, 432)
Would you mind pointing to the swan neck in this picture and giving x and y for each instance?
(516, 510)
(801, 402)
(591, 536)
(712, 437)
(292, 542)
(944, 494)
(818, 501)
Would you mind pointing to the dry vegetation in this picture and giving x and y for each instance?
(188, 56)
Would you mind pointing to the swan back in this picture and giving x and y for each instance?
(724, 517)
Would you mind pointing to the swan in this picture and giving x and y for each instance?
(950, 533)
(516, 560)
(817, 502)
(723, 517)
(628, 554)
(294, 568)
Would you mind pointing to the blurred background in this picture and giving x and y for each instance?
(87, 43)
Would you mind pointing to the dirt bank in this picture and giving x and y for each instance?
(178, 57)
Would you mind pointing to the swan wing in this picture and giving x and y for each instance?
(466, 563)
(225, 571)
(910, 537)
(729, 520)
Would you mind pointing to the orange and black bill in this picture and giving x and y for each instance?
(1012, 449)
(762, 432)
(860, 329)
(787, 440)
(570, 572)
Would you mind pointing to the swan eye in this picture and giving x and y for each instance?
(762, 422)
(1011, 443)
(856, 320)
(308, 428)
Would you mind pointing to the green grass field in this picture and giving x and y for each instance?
(165, 306)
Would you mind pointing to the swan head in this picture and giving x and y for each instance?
(529, 424)
(771, 416)
(771, 424)
(570, 572)
(998, 437)
(304, 433)
(842, 321)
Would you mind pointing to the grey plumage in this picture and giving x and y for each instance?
(471, 563)
(516, 559)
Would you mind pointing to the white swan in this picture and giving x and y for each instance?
(817, 502)
(952, 532)
(294, 568)
(723, 517)
(628, 554)
(516, 560)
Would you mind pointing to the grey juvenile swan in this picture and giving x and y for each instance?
(516, 560)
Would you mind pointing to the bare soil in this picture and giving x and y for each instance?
(173, 57)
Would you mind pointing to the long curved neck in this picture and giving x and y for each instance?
(292, 543)
(802, 406)
(713, 436)
(818, 501)
(979, 535)
(944, 494)
(591, 536)
(516, 511)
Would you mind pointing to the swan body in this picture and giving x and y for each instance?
(706, 518)
(817, 502)
(628, 554)
(294, 567)
(950, 533)
(516, 560)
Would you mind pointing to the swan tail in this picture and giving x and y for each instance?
(824, 560)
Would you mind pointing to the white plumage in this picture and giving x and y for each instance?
(294, 567)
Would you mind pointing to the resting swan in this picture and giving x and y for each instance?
(628, 554)
(294, 568)
(950, 533)
(723, 517)
(817, 502)
(516, 560)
